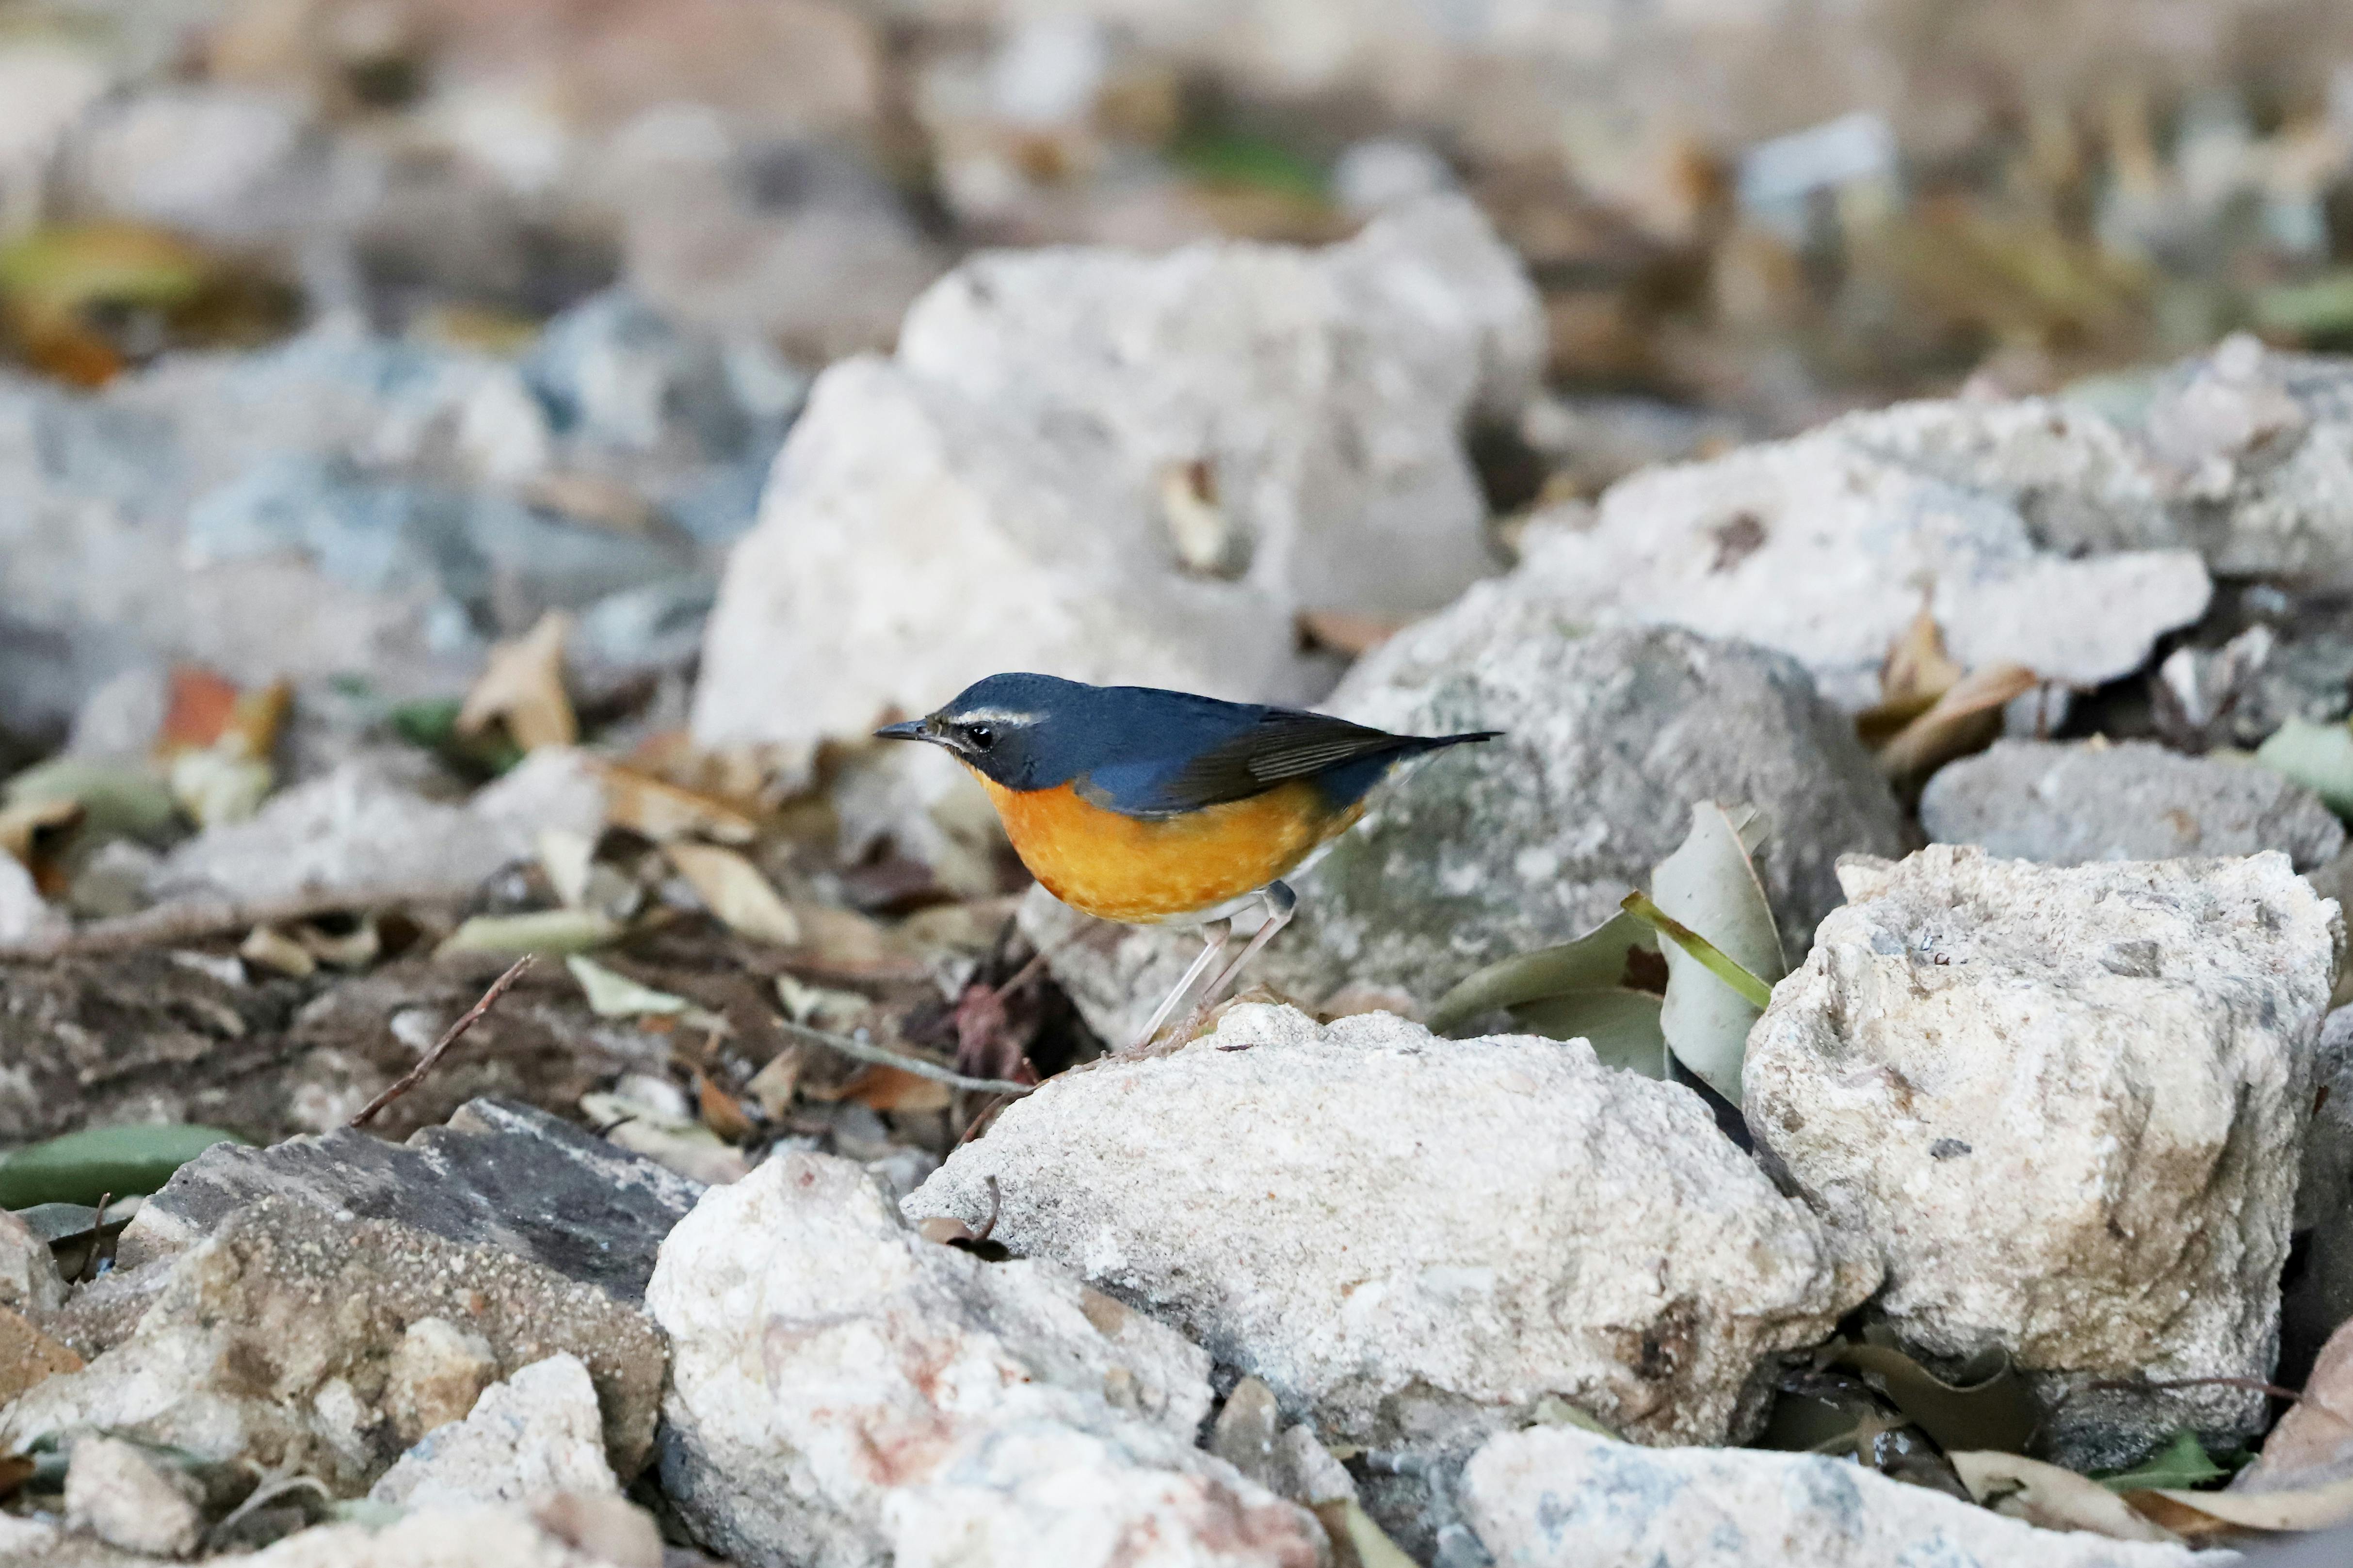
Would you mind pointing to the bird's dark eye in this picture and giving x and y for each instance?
(981, 736)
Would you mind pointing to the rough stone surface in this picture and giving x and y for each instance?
(276, 1339)
(537, 1432)
(1491, 850)
(1062, 431)
(1404, 1235)
(29, 1281)
(499, 1175)
(25, 915)
(2065, 803)
(480, 1537)
(345, 504)
(1829, 546)
(356, 828)
(2067, 1104)
(438, 1371)
(2315, 1304)
(1554, 1497)
(844, 1393)
(116, 1492)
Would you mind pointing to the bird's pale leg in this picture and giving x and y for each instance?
(1214, 944)
(1280, 903)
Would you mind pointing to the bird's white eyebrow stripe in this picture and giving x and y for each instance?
(996, 716)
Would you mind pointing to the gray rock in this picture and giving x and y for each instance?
(357, 828)
(2067, 803)
(791, 241)
(273, 1341)
(1406, 1237)
(1495, 849)
(2067, 1104)
(237, 165)
(119, 1493)
(344, 504)
(25, 915)
(1554, 1497)
(537, 1432)
(2257, 447)
(2320, 1300)
(29, 1280)
(1120, 468)
(845, 1393)
(1828, 547)
(499, 1175)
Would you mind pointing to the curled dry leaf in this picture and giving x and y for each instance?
(271, 948)
(1917, 672)
(1355, 1535)
(772, 1087)
(733, 889)
(656, 809)
(566, 858)
(541, 930)
(1964, 720)
(1989, 1408)
(879, 1088)
(1708, 886)
(523, 686)
(2310, 1507)
(615, 995)
(721, 1112)
(2049, 1495)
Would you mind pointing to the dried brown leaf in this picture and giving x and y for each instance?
(656, 809)
(1965, 719)
(721, 1111)
(879, 1088)
(1346, 631)
(523, 686)
(2050, 1497)
(733, 889)
(2300, 1509)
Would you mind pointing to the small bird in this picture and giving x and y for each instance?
(1150, 807)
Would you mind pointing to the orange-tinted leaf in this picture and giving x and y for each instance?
(879, 1088)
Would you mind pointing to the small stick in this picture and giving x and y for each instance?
(426, 1063)
(864, 1052)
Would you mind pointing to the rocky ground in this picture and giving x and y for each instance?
(471, 477)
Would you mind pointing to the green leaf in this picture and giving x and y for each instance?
(1598, 961)
(1990, 1407)
(119, 800)
(1621, 1025)
(1721, 948)
(541, 930)
(1235, 158)
(83, 1167)
(2317, 756)
(2183, 1462)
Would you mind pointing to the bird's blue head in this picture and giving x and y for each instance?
(1024, 731)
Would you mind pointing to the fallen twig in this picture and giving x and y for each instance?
(425, 1064)
(864, 1052)
(189, 919)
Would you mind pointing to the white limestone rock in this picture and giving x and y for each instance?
(1116, 467)
(845, 1395)
(357, 828)
(1554, 1497)
(537, 1432)
(2067, 803)
(123, 1495)
(2067, 1104)
(1407, 1237)
(1829, 546)
(29, 1280)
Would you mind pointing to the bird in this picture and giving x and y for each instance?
(1149, 806)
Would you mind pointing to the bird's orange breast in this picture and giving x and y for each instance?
(1142, 869)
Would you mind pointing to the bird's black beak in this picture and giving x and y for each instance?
(907, 730)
